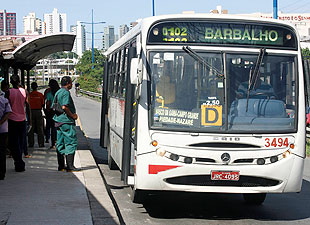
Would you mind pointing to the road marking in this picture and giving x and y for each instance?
(80, 125)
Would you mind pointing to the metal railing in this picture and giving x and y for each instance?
(91, 94)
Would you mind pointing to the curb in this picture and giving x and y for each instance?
(101, 206)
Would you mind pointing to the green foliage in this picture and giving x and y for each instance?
(305, 52)
(31, 73)
(64, 55)
(90, 78)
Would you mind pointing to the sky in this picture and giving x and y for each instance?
(117, 12)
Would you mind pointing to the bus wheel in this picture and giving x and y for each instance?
(254, 199)
(138, 196)
(111, 163)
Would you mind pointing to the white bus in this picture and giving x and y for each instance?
(206, 103)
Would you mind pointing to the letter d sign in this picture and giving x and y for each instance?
(211, 115)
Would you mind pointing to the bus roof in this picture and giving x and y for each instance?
(144, 24)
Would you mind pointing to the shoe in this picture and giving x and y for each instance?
(61, 170)
(20, 170)
(61, 162)
(53, 147)
(74, 169)
(30, 146)
(27, 156)
(70, 164)
(41, 146)
(46, 141)
(2, 177)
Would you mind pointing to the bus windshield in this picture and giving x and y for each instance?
(192, 91)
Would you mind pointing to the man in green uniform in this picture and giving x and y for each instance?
(65, 124)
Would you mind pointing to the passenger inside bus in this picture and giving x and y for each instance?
(260, 89)
(255, 101)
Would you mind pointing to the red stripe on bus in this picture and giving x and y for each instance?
(154, 169)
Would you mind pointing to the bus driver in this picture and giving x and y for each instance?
(165, 91)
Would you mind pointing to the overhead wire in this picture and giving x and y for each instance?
(301, 6)
(293, 3)
(297, 6)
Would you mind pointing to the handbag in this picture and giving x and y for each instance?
(56, 107)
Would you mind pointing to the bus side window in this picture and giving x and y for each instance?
(111, 76)
(123, 70)
(116, 73)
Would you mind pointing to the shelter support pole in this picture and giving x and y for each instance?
(28, 80)
(22, 77)
(15, 70)
(6, 73)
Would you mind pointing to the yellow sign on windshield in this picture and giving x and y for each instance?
(211, 115)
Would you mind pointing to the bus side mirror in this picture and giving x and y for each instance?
(135, 71)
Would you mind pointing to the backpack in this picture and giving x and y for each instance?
(56, 107)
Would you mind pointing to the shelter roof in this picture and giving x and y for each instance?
(30, 52)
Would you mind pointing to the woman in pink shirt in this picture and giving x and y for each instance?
(17, 122)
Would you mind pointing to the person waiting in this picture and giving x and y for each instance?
(65, 123)
(50, 124)
(18, 98)
(5, 110)
(36, 100)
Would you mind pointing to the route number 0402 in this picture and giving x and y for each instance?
(276, 142)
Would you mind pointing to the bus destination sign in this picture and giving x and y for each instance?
(222, 33)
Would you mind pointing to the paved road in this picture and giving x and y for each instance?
(89, 112)
(180, 208)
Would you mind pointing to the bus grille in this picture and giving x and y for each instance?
(205, 180)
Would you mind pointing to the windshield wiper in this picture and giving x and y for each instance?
(197, 57)
(254, 74)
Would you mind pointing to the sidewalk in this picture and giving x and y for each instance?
(42, 195)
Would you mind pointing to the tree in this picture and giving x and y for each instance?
(90, 78)
(305, 52)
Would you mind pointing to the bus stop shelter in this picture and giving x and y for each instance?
(26, 55)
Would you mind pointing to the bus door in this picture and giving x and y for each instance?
(306, 68)
(307, 80)
(104, 107)
(130, 122)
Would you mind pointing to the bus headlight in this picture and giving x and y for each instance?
(261, 161)
(174, 157)
(160, 152)
(188, 160)
(286, 154)
(274, 159)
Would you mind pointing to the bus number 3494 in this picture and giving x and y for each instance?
(276, 142)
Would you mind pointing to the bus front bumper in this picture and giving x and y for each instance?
(279, 177)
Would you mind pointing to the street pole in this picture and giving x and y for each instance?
(153, 7)
(43, 74)
(275, 9)
(92, 35)
(92, 38)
